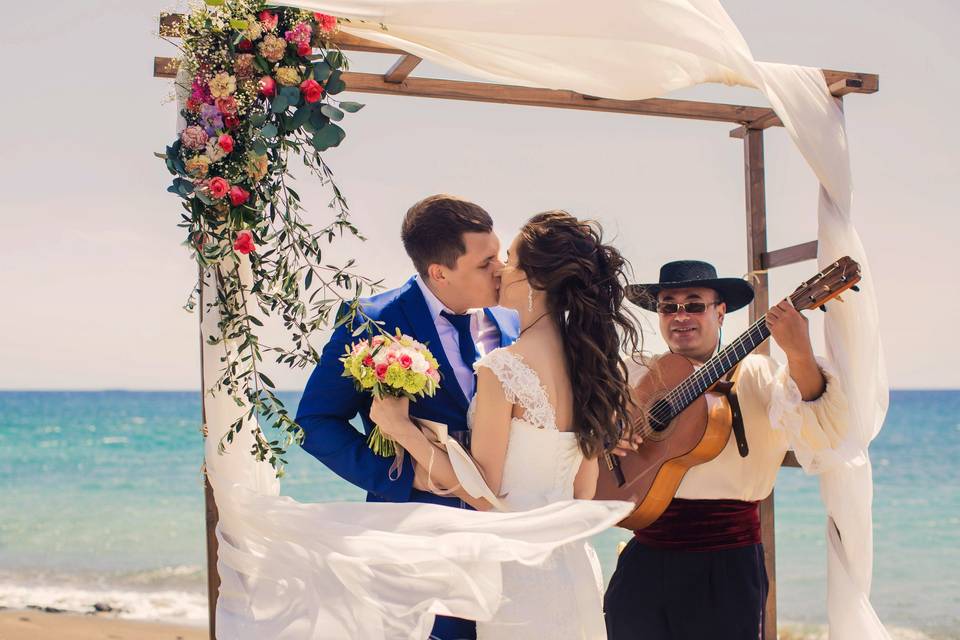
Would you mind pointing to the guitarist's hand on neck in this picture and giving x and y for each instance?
(791, 331)
(694, 335)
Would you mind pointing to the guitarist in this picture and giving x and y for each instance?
(698, 571)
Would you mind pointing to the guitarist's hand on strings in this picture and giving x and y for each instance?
(791, 331)
(627, 445)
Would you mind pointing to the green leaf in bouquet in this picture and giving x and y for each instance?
(214, 3)
(292, 94)
(279, 104)
(334, 84)
(351, 107)
(332, 112)
(261, 63)
(269, 131)
(258, 119)
(317, 120)
(301, 117)
(330, 136)
(335, 59)
(321, 71)
(239, 25)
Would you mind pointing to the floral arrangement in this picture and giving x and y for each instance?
(262, 84)
(391, 365)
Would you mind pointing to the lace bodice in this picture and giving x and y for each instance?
(541, 461)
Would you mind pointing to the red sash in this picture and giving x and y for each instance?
(704, 525)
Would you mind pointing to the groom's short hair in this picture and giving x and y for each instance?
(433, 229)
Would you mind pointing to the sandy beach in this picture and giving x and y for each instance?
(31, 624)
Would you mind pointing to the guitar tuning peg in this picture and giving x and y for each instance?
(823, 308)
(855, 288)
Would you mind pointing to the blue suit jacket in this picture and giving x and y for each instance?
(330, 400)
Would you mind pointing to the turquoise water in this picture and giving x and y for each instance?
(101, 498)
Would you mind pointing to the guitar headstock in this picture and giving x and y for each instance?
(836, 278)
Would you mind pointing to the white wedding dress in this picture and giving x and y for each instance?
(339, 571)
(561, 598)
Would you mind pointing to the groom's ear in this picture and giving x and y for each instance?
(435, 273)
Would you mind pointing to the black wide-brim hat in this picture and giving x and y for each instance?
(681, 274)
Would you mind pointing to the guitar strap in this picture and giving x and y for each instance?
(728, 388)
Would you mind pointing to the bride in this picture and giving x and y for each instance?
(546, 408)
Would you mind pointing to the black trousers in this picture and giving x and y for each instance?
(657, 594)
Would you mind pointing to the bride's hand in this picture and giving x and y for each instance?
(392, 415)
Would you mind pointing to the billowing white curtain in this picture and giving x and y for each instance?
(626, 49)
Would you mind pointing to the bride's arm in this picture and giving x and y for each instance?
(489, 441)
(585, 483)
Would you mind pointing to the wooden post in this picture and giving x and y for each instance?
(210, 504)
(756, 248)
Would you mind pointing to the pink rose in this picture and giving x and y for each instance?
(377, 341)
(268, 20)
(218, 187)
(238, 196)
(311, 90)
(434, 375)
(381, 371)
(226, 142)
(304, 49)
(368, 361)
(194, 137)
(227, 106)
(268, 87)
(326, 23)
(406, 361)
(244, 242)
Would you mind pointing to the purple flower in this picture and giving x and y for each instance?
(210, 118)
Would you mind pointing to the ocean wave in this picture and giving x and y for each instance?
(163, 606)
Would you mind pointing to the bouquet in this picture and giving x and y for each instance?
(391, 366)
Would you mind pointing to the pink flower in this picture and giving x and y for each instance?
(227, 106)
(377, 341)
(238, 196)
(300, 33)
(244, 242)
(268, 20)
(268, 87)
(405, 361)
(381, 371)
(194, 137)
(326, 23)
(226, 142)
(434, 375)
(231, 121)
(368, 361)
(218, 187)
(311, 90)
(245, 45)
(304, 49)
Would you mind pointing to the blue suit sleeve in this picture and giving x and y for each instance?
(329, 402)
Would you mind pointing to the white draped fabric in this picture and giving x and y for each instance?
(626, 49)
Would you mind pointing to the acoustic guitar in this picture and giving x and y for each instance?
(683, 417)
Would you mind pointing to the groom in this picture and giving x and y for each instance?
(449, 305)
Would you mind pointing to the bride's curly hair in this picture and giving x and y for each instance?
(585, 281)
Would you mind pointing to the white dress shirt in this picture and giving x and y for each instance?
(486, 337)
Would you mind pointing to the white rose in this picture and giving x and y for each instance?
(420, 364)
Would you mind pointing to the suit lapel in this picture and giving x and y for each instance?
(507, 323)
(425, 330)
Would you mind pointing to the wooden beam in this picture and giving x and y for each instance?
(165, 67)
(756, 209)
(402, 68)
(210, 503)
(171, 25)
(869, 82)
(789, 255)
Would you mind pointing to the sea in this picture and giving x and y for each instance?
(101, 501)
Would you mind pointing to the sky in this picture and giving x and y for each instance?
(95, 277)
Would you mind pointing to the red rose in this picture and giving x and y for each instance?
(268, 20)
(218, 187)
(244, 45)
(311, 90)
(406, 361)
(304, 49)
(227, 106)
(226, 142)
(238, 195)
(268, 87)
(327, 23)
(381, 371)
(193, 105)
(231, 121)
(368, 361)
(244, 242)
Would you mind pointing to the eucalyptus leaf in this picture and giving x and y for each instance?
(351, 107)
(269, 131)
(300, 118)
(279, 104)
(330, 136)
(332, 112)
(321, 71)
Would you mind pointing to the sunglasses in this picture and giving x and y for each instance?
(670, 308)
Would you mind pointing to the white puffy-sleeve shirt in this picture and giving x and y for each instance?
(775, 420)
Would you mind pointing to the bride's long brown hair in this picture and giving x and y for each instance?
(585, 282)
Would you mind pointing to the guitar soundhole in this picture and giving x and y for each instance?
(659, 415)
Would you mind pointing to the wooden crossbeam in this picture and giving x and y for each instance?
(789, 255)
(401, 68)
(529, 96)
